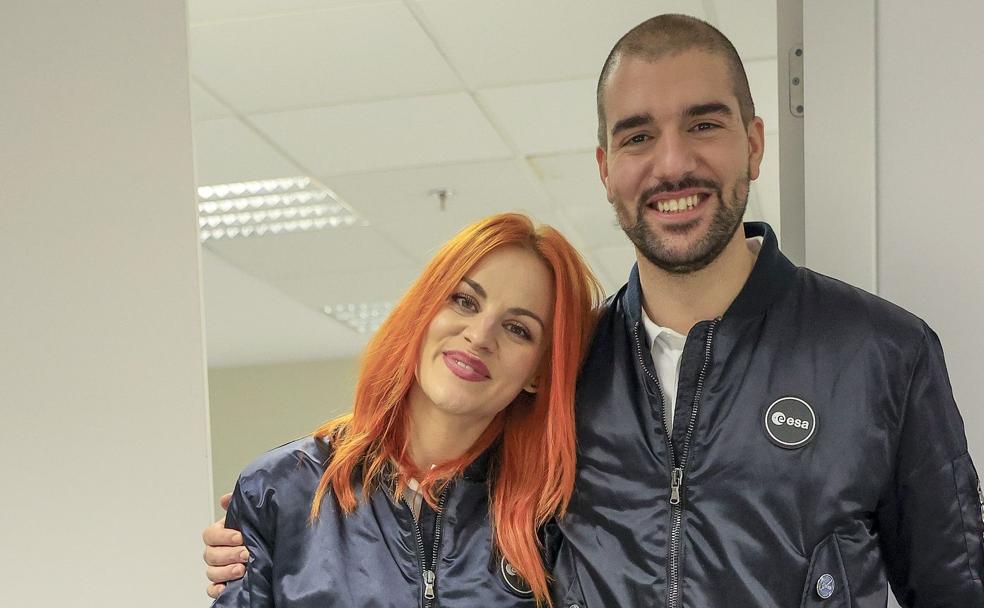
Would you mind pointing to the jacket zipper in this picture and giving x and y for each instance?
(673, 596)
(428, 569)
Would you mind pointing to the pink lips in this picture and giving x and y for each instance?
(476, 370)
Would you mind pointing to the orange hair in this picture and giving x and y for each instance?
(534, 474)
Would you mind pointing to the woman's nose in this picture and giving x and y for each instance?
(480, 333)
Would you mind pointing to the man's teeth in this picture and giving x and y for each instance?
(675, 205)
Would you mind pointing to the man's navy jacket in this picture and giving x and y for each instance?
(817, 456)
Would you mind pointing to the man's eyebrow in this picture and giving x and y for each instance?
(513, 311)
(631, 122)
(703, 109)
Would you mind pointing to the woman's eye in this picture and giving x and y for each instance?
(464, 302)
(519, 330)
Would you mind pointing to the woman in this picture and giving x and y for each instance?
(460, 445)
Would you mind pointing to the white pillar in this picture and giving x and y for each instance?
(930, 201)
(839, 139)
(103, 412)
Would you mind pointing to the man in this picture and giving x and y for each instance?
(749, 433)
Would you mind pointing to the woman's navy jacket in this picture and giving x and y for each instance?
(368, 558)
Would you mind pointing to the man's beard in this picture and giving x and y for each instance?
(727, 218)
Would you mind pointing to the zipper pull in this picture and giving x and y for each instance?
(428, 584)
(676, 480)
(980, 495)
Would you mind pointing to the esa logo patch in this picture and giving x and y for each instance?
(790, 423)
(516, 583)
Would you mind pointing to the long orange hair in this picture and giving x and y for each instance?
(534, 475)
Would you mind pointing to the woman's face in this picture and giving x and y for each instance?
(486, 343)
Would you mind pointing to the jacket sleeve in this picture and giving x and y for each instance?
(930, 518)
(254, 514)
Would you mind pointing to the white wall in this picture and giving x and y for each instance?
(839, 139)
(931, 203)
(891, 200)
(103, 433)
(258, 407)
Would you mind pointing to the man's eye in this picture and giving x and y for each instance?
(637, 139)
(464, 302)
(704, 126)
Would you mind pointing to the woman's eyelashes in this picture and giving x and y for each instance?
(467, 304)
(464, 302)
(519, 331)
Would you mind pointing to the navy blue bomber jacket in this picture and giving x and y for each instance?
(378, 556)
(816, 458)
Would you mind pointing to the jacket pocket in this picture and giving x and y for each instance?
(968, 487)
(826, 583)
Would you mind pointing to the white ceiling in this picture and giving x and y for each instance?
(384, 101)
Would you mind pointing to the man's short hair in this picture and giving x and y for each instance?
(666, 35)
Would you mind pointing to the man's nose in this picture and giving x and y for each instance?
(673, 158)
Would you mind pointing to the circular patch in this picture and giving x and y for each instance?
(513, 580)
(825, 586)
(790, 422)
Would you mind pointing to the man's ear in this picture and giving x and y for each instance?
(756, 146)
(602, 157)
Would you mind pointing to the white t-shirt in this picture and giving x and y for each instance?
(666, 347)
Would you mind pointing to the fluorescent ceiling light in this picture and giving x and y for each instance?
(363, 318)
(266, 186)
(266, 207)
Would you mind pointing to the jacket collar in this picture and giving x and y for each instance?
(770, 276)
(480, 468)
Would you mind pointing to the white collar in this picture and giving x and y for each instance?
(667, 336)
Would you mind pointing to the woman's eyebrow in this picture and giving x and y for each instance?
(476, 286)
(513, 311)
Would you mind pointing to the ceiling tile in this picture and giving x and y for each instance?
(399, 203)
(249, 322)
(385, 134)
(200, 11)
(226, 151)
(545, 118)
(573, 183)
(615, 264)
(403, 196)
(763, 80)
(300, 255)
(206, 107)
(536, 41)
(572, 179)
(325, 57)
(750, 25)
(382, 285)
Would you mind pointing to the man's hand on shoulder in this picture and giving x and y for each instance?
(225, 553)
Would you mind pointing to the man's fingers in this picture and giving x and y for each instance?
(224, 574)
(224, 501)
(217, 535)
(225, 556)
(214, 591)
